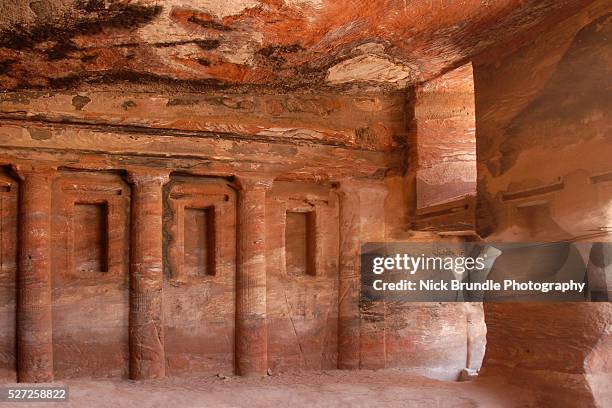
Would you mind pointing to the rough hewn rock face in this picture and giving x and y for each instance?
(559, 350)
(298, 136)
(544, 145)
(369, 121)
(283, 44)
(557, 117)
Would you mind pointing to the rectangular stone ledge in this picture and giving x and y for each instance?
(455, 215)
(84, 148)
(601, 178)
(531, 192)
(325, 119)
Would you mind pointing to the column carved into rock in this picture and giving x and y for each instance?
(349, 279)
(34, 322)
(251, 333)
(147, 357)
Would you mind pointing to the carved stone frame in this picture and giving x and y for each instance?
(186, 195)
(115, 195)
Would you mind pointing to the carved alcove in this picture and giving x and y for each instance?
(302, 276)
(301, 245)
(8, 274)
(90, 230)
(199, 274)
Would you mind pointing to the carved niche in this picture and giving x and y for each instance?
(199, 275)
(90, 274)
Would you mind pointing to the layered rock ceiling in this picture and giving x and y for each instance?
(185, 185)
(279, 44)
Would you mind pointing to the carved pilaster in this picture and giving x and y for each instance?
(349, 279)
(251, 333)
(361, 220)
(34, 322)
(147, 358)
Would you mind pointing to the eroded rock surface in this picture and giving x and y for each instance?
(283, 44)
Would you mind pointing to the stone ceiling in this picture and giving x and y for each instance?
(247, 44)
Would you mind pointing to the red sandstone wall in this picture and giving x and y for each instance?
(317, 144)
(443, 152)
(544, 133)
(199, 275)
(90, 249)
(8, 275)
(437, 340)
(369, 121)
(302, 303)
(89, 274)
(544, 173)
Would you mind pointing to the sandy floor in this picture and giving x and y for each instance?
(305, 389)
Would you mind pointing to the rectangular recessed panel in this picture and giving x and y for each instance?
(199, 253)
(91, 237)
(299, 243)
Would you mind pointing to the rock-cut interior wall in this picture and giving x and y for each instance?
(544, 174)
(90, 275)
(302, 240)
(330, 195)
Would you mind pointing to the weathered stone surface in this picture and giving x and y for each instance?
(147, 351)
(34, 324)
(367, 120)
(349, 280)
(90, 275)
(199, 289)
(438, 340)
(251, 330)
(209, 137)
(558, 350)
(443, 139)
(302, 277)
(282, 44)
(219, 165)
(9, 195)
(543, 137)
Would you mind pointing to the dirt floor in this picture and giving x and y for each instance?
(290, 390)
